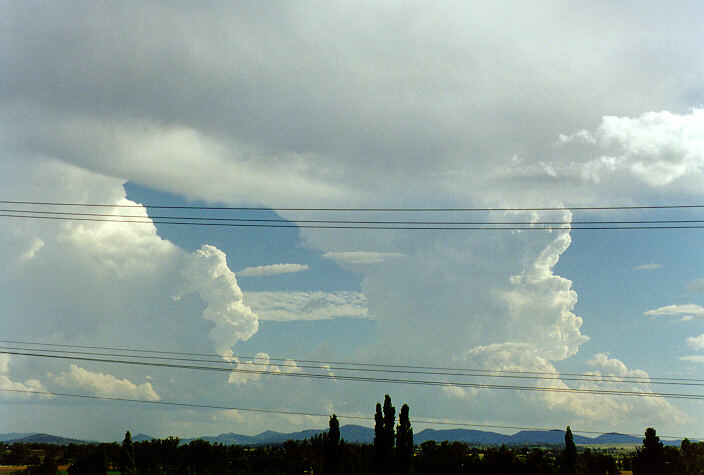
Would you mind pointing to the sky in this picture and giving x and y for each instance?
(281, 105)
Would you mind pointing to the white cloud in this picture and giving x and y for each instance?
(4, 363)
(583, 407)
(105, 385)
(686, 309)
(7, 383)
(651, 266)
(34, 247)
(28, 385)
(249, 371)
(361, 257)
(275, 269)
(696, 342)
(206, 272)
(695, 287)
(312, 305)
(581, 136)
(693, 358)
(657, 147)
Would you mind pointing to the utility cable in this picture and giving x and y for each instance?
(366, 379)
(293, 225)
(285, 364)
(115, 217)
(354, 365)
(410, 209)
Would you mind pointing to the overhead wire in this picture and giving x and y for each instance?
(147, 219)
(486, 226)
(349, 365)
(369, 379)
(380, 209)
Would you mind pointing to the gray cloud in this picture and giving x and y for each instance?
(695, 287)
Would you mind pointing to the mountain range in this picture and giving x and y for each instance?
(359, 434)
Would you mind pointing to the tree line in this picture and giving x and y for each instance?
(392, 452)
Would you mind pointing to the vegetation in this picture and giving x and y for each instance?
(392, 452)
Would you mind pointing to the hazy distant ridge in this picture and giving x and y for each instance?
(354, 433)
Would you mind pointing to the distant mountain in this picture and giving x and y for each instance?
(48, 439)
(360, 434)
(141, 438)
(461, 435)
(13, 436)
(357, 434)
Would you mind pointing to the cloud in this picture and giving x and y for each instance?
(581, 136)
(105, 385)
(4, 363)
(275, 269)
(206, 272)
(696, 342)
(686, 309)
(313, 305)
(651, 266)
(438, 114)
(248, 371)
(657, 147)
(34, 247)
(361, 257)
(9, 384)
(28, 385)
(693, 358)
(584, 407)
(695, 287)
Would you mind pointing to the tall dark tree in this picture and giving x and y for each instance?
(568, 463)
(650, 459)
(378, 438)
(127, 463)
(332, 451)
(404, 442)
(384, 436)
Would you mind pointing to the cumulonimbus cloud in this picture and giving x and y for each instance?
(206, 272)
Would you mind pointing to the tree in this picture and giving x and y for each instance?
(332, 452)
(127, 463)
(384, 436)
(650, 459)
(404, 441)
(569, 455)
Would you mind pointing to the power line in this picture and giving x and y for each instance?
(321, 364)
(367, 379)
(274, 208)
(350, 367)
(34, 213)
(426, 421)
(531, 227)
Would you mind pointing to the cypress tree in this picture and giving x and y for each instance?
(404, 441)
(127, 463)
(332, 455)
(569, 454)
